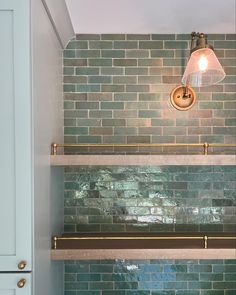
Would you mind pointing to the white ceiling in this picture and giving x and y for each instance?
(152, 16)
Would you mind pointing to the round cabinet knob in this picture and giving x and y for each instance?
(21, 264)
(21, 283)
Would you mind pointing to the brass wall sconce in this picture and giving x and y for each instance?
(203, 69)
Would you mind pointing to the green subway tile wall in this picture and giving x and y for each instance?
(150, 277)
(169, 198)
(117, 90)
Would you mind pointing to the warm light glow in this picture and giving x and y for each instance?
(203, 69)
(202, 63)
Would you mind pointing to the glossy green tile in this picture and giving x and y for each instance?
(76, 62)
(150, 44)
(112, 228)
(88, 277)
(126, 285)
(100, 44)
(176, 285)
(124, 80)
(100, 285)
(124, 62)
(68, 71)
(151, 62)
(69, 53)
(76, 268)
(101, 268)
(162, 53)
(114, 292)
(113, 36)
(103, 62)
(84, 53)
(224, 285)
(199, 268)
(99, 79)
(88, 88)
(187, 292)
(112, 71)
(87, 37)
(113, 53)
(69, 88)
(88, 292)
(175, 44)
(138, 36)
(225, 44)
(137, 53)
(112, 105)
(75, 44)
(201, 285)
(137, 292)
(136, 71)
(113, 88)
(125, 44)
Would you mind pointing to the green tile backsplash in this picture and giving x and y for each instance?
(169, 198)
(150, 277)
(129, 78)
(117, 91)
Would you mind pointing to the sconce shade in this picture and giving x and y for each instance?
(203, 69)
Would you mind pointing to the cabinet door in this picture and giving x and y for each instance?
(15, 284)
(15, 130)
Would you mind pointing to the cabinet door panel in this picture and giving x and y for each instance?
(8, 284)
(15, 130)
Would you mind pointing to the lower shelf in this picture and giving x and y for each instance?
(144, 246)
(87, 254)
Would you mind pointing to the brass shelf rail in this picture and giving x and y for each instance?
(205, 146)
(204, 238)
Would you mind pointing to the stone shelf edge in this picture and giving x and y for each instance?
(84, 254)
(149, 160)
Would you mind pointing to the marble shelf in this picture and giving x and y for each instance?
(148, 160)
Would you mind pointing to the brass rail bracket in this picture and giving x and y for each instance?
(204, 238)
(205, 146)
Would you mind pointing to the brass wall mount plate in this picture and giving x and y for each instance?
(182, 98)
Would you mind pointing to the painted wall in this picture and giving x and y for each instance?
(47, 123)
(152, 16)
(58, 14)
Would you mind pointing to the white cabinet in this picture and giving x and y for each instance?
(31, 118)
(15, 284)
(15, 130)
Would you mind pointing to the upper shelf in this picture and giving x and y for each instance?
(133, 159)
(149, 160)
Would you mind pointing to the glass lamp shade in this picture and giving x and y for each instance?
(203, 69)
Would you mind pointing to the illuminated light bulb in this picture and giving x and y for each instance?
(202, 63)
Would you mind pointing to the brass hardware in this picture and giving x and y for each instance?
(21, 283)
(200, 42)
(54, 149)
(182, 97)
(21, 265)
(205, 145)
(221, 238)
(205, 238)
(55, 242)
(130, 238)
